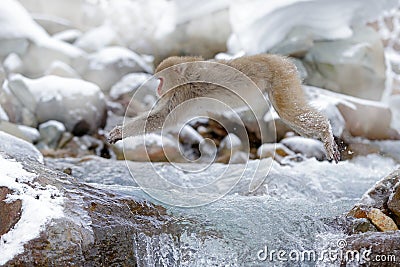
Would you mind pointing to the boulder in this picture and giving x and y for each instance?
(78, 104)
(308, 147)
(18, 148)
(353, 66)
(79, 14)
(152, 147)
(97, 38)
(66, 222)
(354, 116)
(26, 133)
(51, 133)
(109, 65)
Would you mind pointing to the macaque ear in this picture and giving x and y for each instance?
(160, 85)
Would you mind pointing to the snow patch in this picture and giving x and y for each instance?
(39, 206)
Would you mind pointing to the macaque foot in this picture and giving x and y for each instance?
(332, 151)
(115, 135)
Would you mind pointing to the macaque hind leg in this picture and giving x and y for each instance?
(308, 122)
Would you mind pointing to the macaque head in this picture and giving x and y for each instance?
(171, 71)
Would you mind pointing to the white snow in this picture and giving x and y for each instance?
(259, 25)
(39, 206)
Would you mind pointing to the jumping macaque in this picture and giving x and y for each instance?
(272, 74)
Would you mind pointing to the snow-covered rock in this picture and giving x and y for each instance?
(231, 143)
(39, 205)
(394, 104)
(51, 132)
(97, 38)
(19, 34)
(12, 64)
(19, 148)
(130, 83)
(40, 55)
(135, 91)
(17, 28)
(68, 36)
(353, 66)
(61, 69)
(351, 115)
(307, 147)
(26, 133)
(151, 147)
(260, 25)
(274, 150)
(110, 64)
(78, 104)
(3, 115)
(52, 24)
(80, 14)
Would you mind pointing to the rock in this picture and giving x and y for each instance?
(354, 66)
(394, 104)
(276, 151)
(259, 28)
(68, 36)
(136, 92)
(3, 115)
(21, 35)
(238, 157)
(230, 143)
(17, 29)
(61, 69)
(10, 212)
(152, 147)
(110, 64)
(381, 221)
(97, 38)
(79, 14)
(51, 132)
(66, 222)
(79, 105)
(52, 24)
(375, 245)
(307, 147)
(40, 56)
(354, 116)
(12, 64)
(394, 201)
(21, 131)
(19, 148)
(377, 197)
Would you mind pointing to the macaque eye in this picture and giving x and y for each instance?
(160, 85)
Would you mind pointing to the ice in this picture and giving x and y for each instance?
(260, 25)
(40, 205)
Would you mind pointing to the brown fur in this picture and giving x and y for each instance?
(273, 74)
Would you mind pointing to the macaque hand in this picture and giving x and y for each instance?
(115, 135)
(332, 150)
